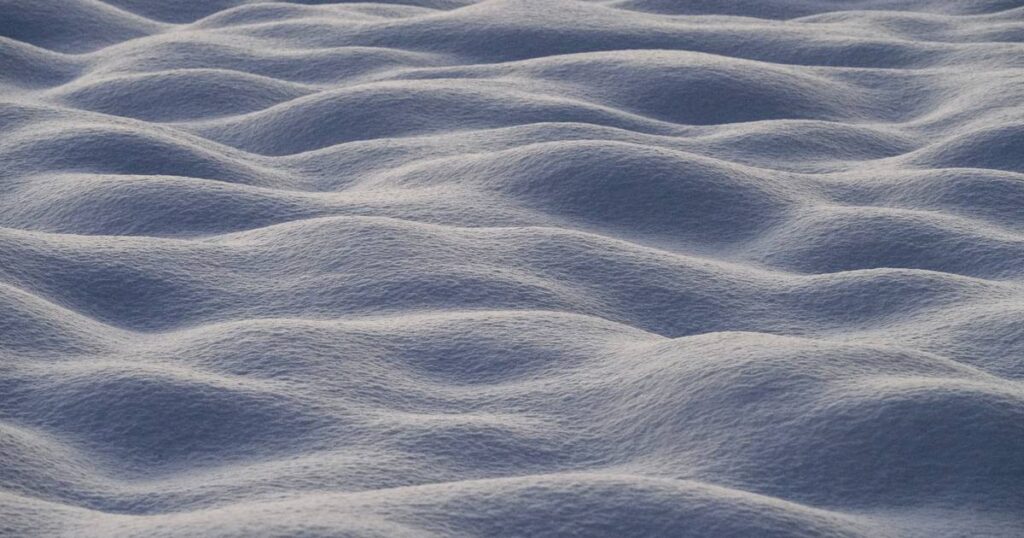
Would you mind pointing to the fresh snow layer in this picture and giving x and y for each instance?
(704, 268)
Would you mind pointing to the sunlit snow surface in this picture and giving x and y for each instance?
(663, 268)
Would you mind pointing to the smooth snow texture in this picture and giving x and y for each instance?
(703, 268)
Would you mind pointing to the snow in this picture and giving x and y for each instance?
(512, 268)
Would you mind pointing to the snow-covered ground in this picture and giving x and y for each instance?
(710, 268)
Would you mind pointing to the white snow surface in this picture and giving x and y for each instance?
(709, 268)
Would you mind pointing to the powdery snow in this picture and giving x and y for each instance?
(702, 268)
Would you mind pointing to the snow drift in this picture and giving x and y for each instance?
(512, 267)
